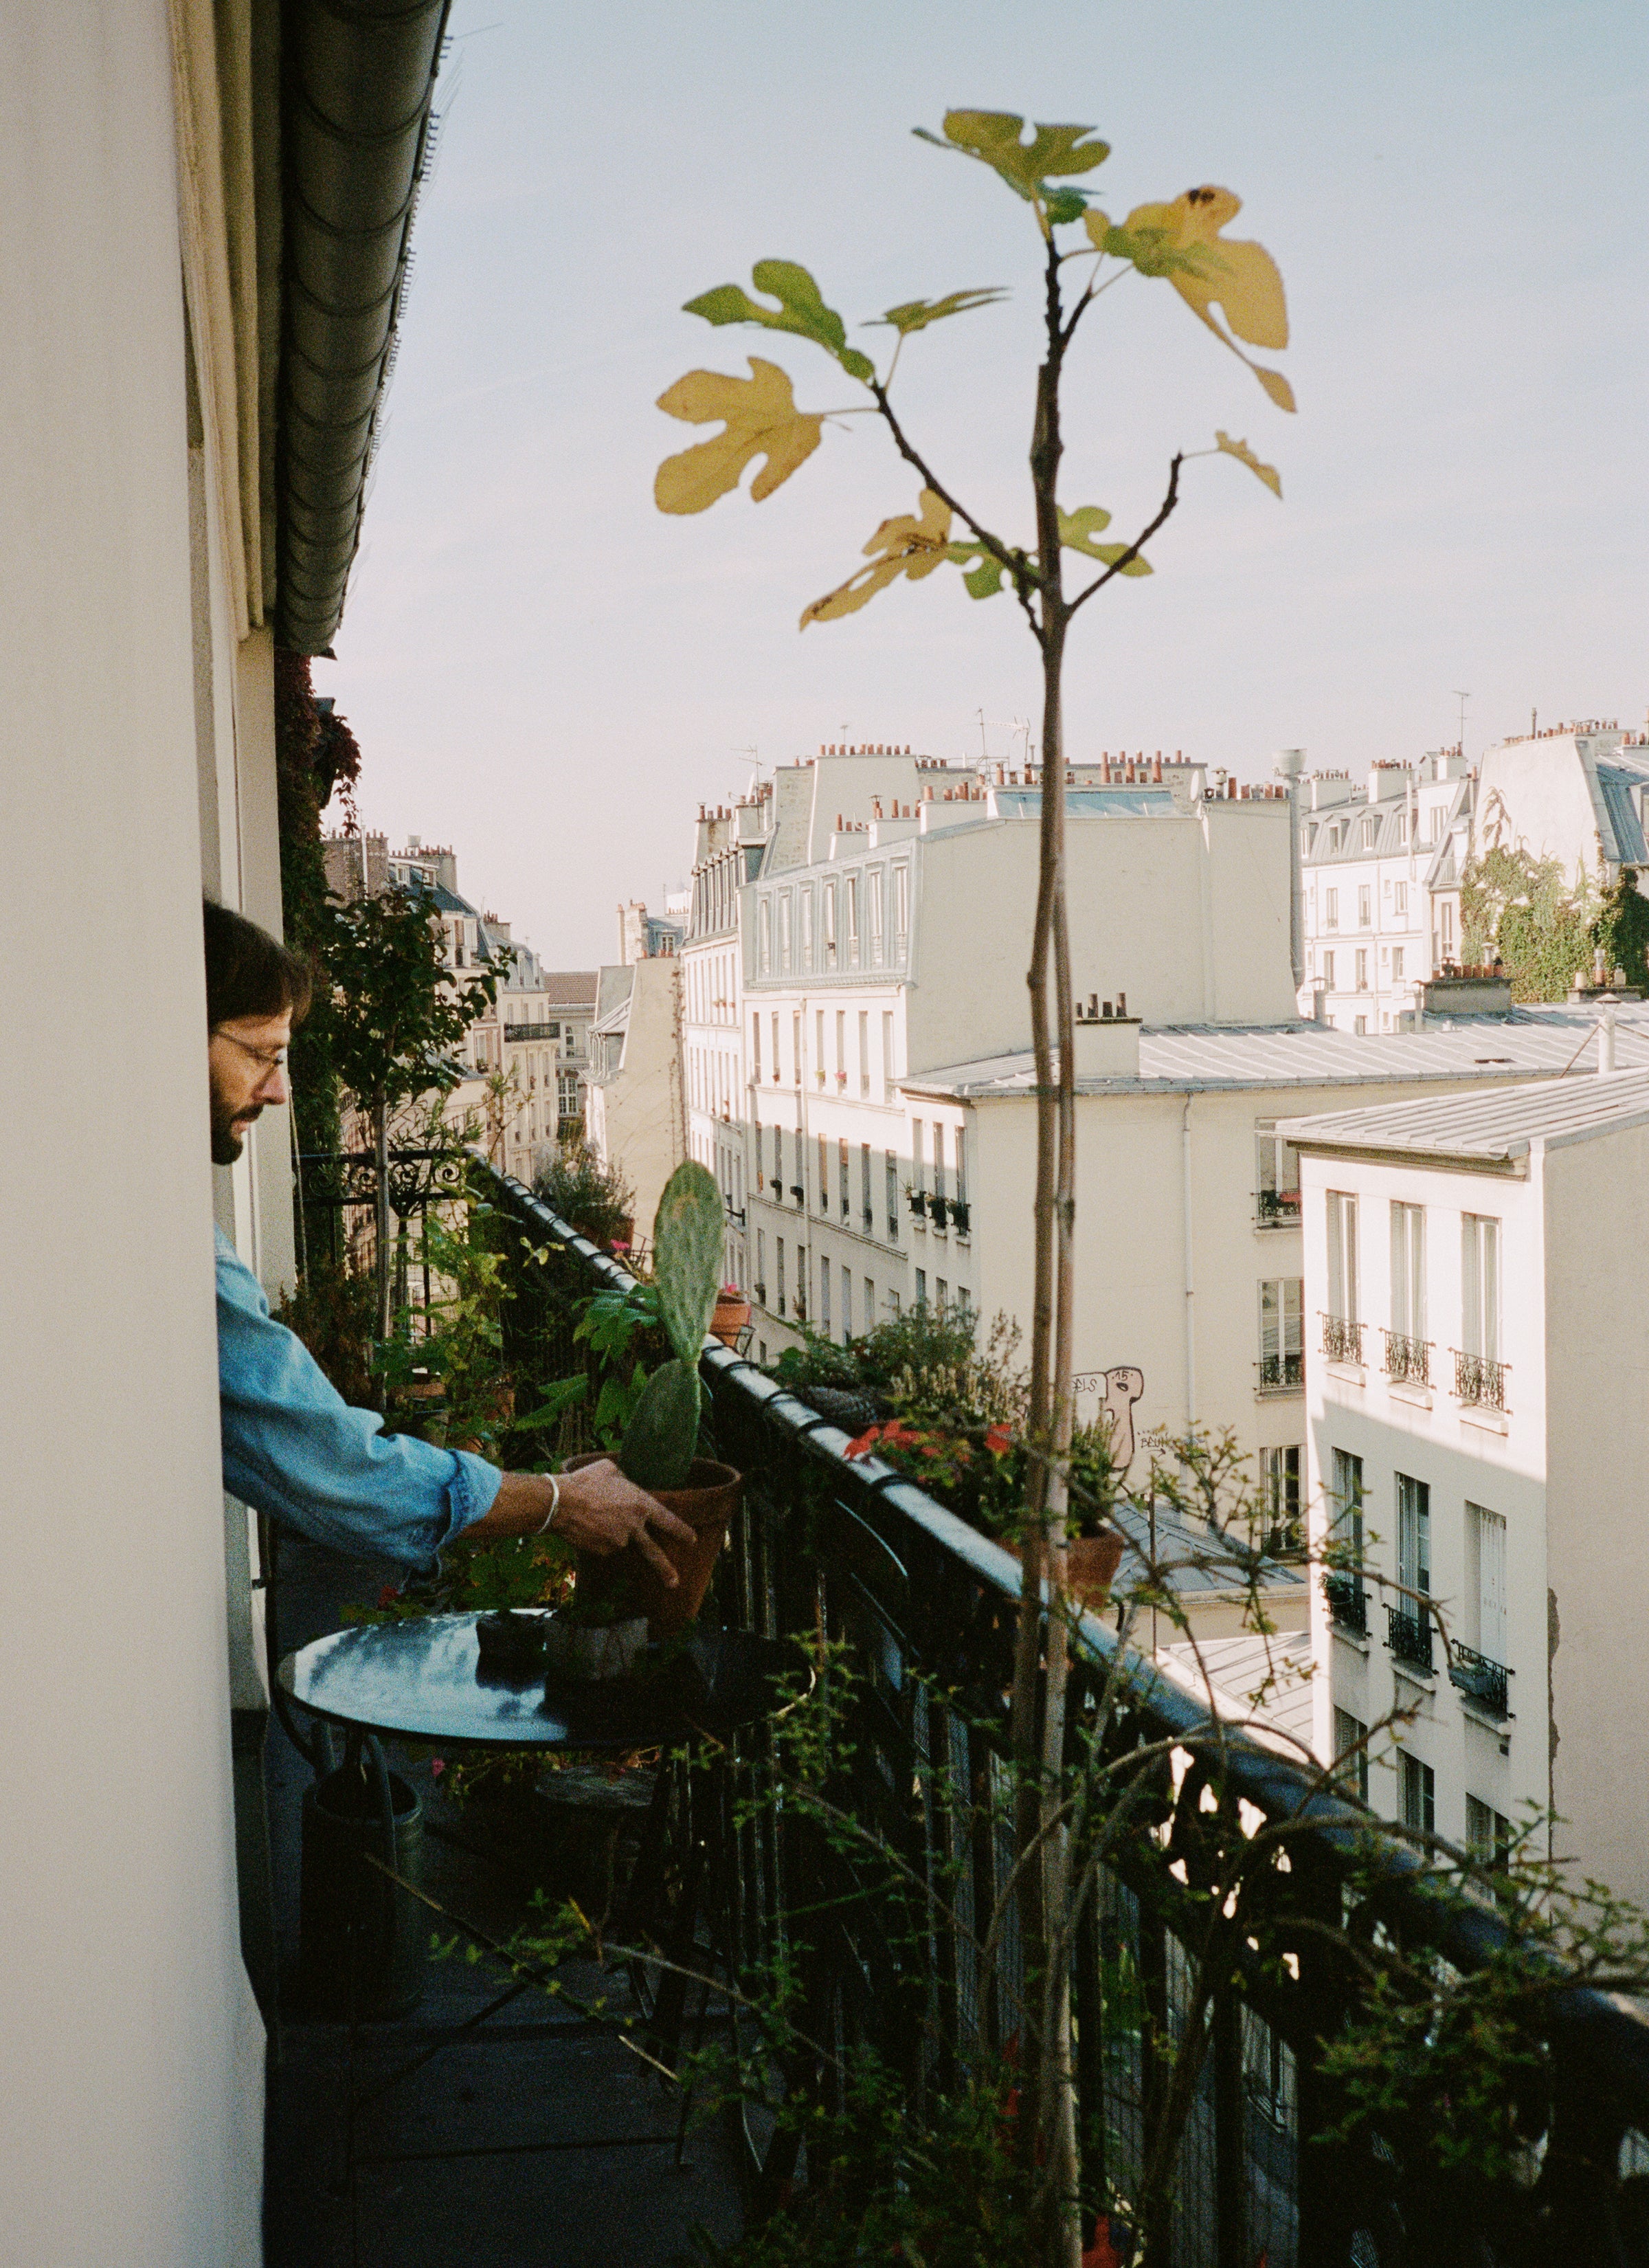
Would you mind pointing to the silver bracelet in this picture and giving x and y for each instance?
(555, 1504)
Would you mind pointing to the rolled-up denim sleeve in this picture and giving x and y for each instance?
(295, 1450)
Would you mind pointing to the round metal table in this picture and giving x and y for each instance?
(422, 1680)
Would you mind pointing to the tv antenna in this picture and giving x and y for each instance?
(1462, 698)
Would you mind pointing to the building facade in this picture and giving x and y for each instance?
(1474, 1281)
(1380, 867)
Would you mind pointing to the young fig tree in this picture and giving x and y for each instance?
(689, 1233)
(1233, 289)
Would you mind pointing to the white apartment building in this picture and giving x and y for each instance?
(1379, 869)
(1574, 792)
(727, 854)
(637, 1119)
(1478, 1434)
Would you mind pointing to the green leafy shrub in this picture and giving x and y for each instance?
(589, 1195)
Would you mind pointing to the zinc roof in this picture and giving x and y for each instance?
(1493, 1128)
(1171, 1056)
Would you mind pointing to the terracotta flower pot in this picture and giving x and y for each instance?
(729, 1320)
(1091, 1562)
(707, 1504)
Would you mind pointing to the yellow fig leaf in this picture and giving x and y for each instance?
(910, 543)
(1245, 455)
(1077, 530)
(1182, 242)
(994, 136)
(916, 314)
(762, 420)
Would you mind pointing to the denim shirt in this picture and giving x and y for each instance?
(295, 1450)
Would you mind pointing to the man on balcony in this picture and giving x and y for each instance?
(293, 1448)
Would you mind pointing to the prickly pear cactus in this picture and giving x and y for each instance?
(688, 1232)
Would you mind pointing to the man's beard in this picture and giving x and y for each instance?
(226, 1144)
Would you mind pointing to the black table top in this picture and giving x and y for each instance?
(420, 1679)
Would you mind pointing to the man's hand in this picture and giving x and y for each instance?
(600, 1512)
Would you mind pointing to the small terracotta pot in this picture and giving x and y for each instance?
(707, 1504)
(729, 1320)
(1091, 1562)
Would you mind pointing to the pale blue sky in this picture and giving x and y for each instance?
(546, 672)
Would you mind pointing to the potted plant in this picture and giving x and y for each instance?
(732, 1313)
(659, 1449)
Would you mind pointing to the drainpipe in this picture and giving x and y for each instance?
(360, 78)
(1190, 1282)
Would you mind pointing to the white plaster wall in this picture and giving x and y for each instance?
(1461, 1461)
(1535, 795)
(636, 1120)
(129, 2132)
(1597, 1353)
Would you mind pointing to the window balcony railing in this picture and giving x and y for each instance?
(1480, 1679)
(1342, 1339)
(1280, 1374)
(1277, 1208)
(1409, 1636)
(1348, 1604)
(1479, 1382)
(850, 1551)
(1407, 1361)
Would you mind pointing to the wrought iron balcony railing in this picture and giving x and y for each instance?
(1409, 1636)
(1479, 1382)
(1407, 1361)
(1480, 1679)
(1342, 1339)
(1280, 1373)
(1348, 1603)
(927, 1607)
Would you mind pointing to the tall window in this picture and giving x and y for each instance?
(1396, 961)
(892, 1306)
(1408, 1271)
(830, 925)
(761, 1265)
(873, 891)
(775, 1047)
(1362, 969)
(1446, 914)
(764, 937)
(939, 1158)
(922, 1287)
(1282, 1332)
(867, 1210)
(783, 932)
(1485, 1580)
(819, 1046)
(1362, 906)
(1342, 1256)
(795, 1047)
(824, 1176)
(865, 1051)
(870, 1305)
(1350, 1751)
(892, 1164)
(778, 1160)
(1399, 900)
(824, 1295)
(842, 1047)
(1348, 1503)
(1331, 910)
(918, 1171)
(778, 1243)
(851, 885)
(901, 909)
(841, 1164)
(1280, 1477)
(1414, 1543)
(1328, 968)
(1480, 1285)
(1277, 1167)
(847, 1307)
(888, 1053)
(1488, 1833)
(807, 926)
(1420, 1794)
(959, 1135)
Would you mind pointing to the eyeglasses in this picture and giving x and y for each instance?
(271, 1058)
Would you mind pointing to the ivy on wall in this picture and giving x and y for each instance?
(1544, 928)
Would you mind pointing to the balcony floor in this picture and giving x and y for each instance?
(534, 2074)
